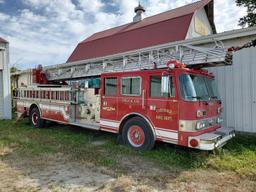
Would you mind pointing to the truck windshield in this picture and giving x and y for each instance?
(197, 87)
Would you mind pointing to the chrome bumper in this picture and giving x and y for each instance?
(216, 139)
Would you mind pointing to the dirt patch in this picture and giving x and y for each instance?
(202, 180)
(140, 167)
(57, 172)
(190, 181)
(5, 150)
(52, 172)
(98, 142)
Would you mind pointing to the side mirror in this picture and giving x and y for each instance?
(165, 84)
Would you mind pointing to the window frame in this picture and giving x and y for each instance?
(174, 87)
(131, 77)
(181, 91)
(116, 93)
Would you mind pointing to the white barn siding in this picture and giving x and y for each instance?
(25, 78)
(1, 84)
(5, 89)
(237, 87)
(1, 95)
(202, 17)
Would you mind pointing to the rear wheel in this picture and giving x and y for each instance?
(137, 134)
(35, 118)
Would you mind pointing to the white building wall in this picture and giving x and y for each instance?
(1, 82)
(5, 88)
(25, 79)
(237, 87)
(1, 95)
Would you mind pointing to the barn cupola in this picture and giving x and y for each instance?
(139, 13)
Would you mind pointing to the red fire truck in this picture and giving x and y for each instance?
(171, 102)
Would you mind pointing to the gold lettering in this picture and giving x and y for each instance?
(131, 101)
(163, 118)
(159, 117)
(162, 110)
(108, 108)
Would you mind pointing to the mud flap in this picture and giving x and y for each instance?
(21, 116)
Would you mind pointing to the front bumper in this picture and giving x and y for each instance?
(212, 140)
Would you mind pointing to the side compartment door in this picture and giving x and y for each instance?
(74, 105)
(163, 107)
(109, 106)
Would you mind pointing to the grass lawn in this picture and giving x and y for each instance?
(82, 145)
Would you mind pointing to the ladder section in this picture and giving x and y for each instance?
(144, 59)
(49, 94)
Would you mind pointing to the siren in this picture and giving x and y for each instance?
(175, 64)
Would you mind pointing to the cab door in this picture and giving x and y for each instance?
(132, 95)
(163, 106)
(109, 107)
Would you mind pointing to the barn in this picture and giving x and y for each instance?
(186, 22)
(5, 89)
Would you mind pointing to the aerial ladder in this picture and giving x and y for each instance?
(148, 58)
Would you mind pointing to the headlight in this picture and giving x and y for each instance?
(194, 125)
(200, 113)
(219, 120)
(220, 110)
(187, 125)
(200, 125)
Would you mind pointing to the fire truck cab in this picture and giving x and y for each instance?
(175, 104)
(178, 105)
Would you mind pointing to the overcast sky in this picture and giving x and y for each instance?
(47, 31)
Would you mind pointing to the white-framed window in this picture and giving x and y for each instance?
(156, 84)
(131, 86)
(110, 86)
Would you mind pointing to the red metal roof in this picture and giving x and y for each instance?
(158, 29)
(3, 41)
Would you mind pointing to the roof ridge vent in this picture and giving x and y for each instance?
(139, 13)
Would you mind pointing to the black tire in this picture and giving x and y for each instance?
(39, 123)
(137, 134)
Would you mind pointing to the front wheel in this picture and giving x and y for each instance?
(35, 118)
(137, 134)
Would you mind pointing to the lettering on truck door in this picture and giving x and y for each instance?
(163, 107)
(109, 108)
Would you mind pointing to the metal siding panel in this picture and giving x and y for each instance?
(1, 95)
(238, 106)
(1, 60)
(229, 96)
(221, 80)
(236, 85)
(244, 86)
(252, 64)
(246, 91)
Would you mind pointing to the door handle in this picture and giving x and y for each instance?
(152, 107)
(143, 99)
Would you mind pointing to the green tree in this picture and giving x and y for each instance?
(250, 18)
(13, 69)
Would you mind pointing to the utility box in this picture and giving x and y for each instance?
(5, 88)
